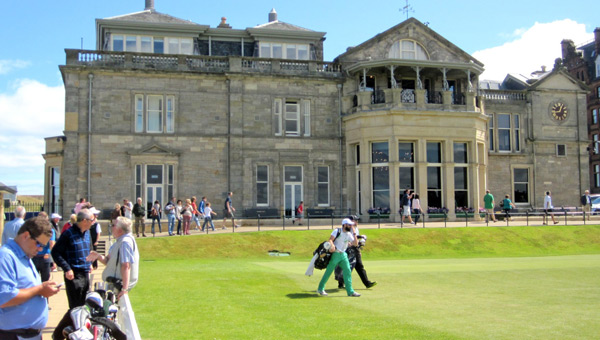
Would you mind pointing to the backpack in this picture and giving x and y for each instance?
(324, 255)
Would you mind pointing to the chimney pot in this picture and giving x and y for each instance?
(149, 5)
(272, 15)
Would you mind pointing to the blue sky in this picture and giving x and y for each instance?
(507, 36)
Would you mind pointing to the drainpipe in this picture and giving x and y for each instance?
(89, 150)
(228, 82)
(339, 87)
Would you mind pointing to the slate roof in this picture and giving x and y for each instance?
(280, 25)
(151, 16)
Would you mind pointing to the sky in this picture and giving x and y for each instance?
(507, 36)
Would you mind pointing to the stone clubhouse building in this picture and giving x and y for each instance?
(166, 107)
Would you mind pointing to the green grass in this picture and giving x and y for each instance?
(456, 283)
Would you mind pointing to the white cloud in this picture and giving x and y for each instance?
(30, 113)
(8, 65)
(533, 47)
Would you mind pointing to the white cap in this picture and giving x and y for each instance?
(55, 215)
(94, 211)
(347, 221)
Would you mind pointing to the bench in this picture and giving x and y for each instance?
(263, 212)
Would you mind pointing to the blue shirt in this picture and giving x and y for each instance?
(18, 272)
(71, 249)
(201, 208)
(11, 229)
(46, 249)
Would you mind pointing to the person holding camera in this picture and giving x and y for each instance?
(122, 261)
(339, 241)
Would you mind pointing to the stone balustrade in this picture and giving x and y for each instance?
(196, 63)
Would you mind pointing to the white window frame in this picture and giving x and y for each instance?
(596, 141)
(514, 131)
(305, 107)
(266, 50)
(166, 113)
(597, 175)
(154, 113)
(319, 183)
(400, 50)
(595, 116)
(375, 165)
(291, 116)
(262, 182)
(277, 115)
(171, 45)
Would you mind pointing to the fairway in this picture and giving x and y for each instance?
(553, 297)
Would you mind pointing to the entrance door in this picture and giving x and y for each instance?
(292, 189)
(154, 186)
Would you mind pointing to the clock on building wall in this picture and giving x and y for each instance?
(559, 111)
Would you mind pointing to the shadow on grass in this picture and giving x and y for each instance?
(312, 294)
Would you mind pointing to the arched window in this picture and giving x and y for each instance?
(408, 49)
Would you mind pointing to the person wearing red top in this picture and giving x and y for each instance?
(196, 213)
(299, 213)
(72, 220)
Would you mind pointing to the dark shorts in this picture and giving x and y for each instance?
(549, 210)
(227, 214)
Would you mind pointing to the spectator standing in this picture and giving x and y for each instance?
(507, 204)
(228, 211)
(488, 201)
(405, 204)
(140, 214)
(72, 220)
(416, 207)
(23, 297)
(122, 261)
(178, 216)
(95, 231)
(54, 219)
(299, 213)
(170, 211)
(43, 261)
(80, 205)
(187, 213)
(208, 214)
(586, 204)
(549, 209)
(339, 241)
(115, 213)
(155, 214)
(11, 229)
(127, 209)
(70, 253)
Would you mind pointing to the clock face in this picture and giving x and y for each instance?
(559, 111)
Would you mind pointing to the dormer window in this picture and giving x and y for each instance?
(408, 49)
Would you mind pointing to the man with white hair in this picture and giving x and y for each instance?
(122, 261)
(339, 240)
(12, 228)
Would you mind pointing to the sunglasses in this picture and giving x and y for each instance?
(38, 244)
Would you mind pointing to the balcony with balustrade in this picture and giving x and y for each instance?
(412, 85)
(201, 64)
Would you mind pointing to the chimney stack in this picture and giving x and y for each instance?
(272, 15)
(149, 5)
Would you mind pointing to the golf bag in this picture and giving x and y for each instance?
(324, 256)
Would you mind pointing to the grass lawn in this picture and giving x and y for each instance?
(459, 283)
